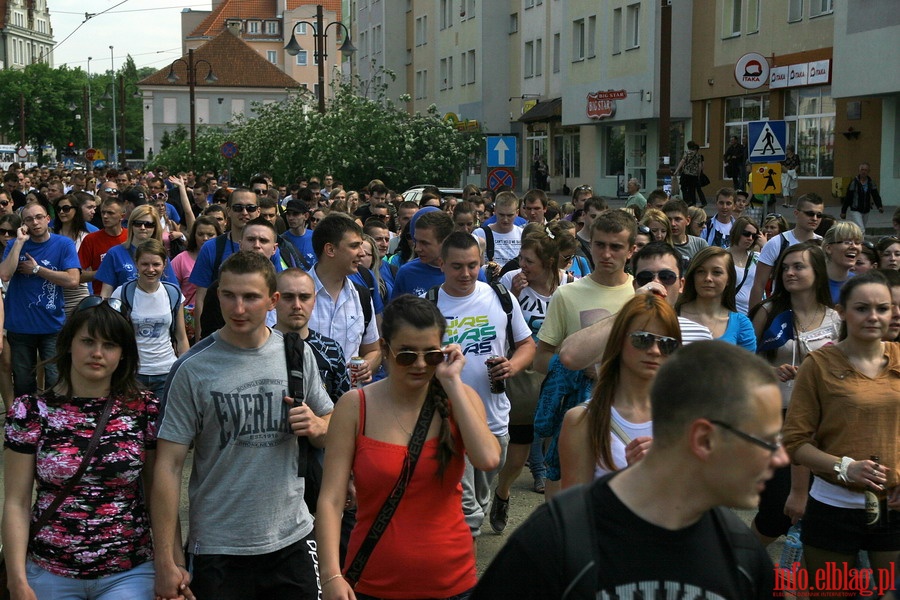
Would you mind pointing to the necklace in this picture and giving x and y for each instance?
(810, 323)
(397, 418)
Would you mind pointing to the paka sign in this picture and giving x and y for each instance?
(751, 71)
(817, 72)
(602, 105)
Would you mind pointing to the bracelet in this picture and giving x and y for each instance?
(330, 579)
(845, 464)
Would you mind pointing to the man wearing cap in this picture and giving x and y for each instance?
(295, 213)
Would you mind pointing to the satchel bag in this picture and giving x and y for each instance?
(63, 493)
(703, 181)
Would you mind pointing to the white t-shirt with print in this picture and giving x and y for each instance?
(151, 316)
(506, 245)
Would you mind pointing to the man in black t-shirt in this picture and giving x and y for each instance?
(652, 530)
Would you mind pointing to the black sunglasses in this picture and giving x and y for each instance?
(250, 208)
(643, 340)
(667, 277)
(750, 234)
(770, 446)
(813, 214)
(4, 202)
(405, 358)
(5, 231)
(774, 216)
(143, 224)
(643, 229)
(259, 192)
(65, 209)
(114, 303)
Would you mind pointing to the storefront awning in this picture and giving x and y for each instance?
(544, 111)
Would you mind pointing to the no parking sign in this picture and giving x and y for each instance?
(501, 176)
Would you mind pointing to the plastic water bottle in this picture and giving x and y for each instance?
(791, 553)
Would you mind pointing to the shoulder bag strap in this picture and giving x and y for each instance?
(294, 348)
(379, 525)
(70, 485)
(746, 272)
(619, 432)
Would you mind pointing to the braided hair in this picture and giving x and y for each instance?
(422, 314)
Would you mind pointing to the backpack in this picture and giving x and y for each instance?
(174, 300)
(366, 293)
(505, 302)
(291, 254)
(574, 519)
(488, 242)
(308, 465)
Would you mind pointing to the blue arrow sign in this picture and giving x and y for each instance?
(501, 151)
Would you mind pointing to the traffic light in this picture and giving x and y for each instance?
(70, 148)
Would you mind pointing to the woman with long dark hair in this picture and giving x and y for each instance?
(96, 543)
(426, 549)
(70, 223)
(614, 429)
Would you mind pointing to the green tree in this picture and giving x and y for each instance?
(47, 94)
(357, 139)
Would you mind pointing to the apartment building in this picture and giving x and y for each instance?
(26, 35)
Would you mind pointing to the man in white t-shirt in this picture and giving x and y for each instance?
(718, 229)
(502, 238)
(477, 322)
(808, 214)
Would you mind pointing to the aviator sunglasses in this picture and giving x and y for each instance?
(405, 358)
(643, 340)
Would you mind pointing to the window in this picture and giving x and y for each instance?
(731, 24)
(450, 72)
(363, 44)
(752, 16)
(272, 56)
(421, 84)
(301, 28)
(376, 40)
(739, 111)
(301, 58)
(578, 40)
(810, 116)
(529, 3)
(556, 50)
(169, 110)
(409, 56)
(201, 110)
(528, 66)
(617, 31)
(795, 10)
(707, 112)
(445, 79)
(538, 58)
(820, 7)
(592, 37)
(468, 67)
(421, 30)
(514, 23)
(633, 22)
(567, 154)
(446, 16)
(253, 27)
(272, 27)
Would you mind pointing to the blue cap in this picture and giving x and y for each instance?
(415, 217)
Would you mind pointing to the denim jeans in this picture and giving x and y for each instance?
(135, 584)
(24, 349)
(536, 459)
(154, 383)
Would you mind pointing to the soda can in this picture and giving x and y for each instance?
(355, 364)
(498, 386)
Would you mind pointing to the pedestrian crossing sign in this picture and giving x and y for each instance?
(768, 139)
(765, 178)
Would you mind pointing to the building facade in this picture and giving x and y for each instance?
(26, 35)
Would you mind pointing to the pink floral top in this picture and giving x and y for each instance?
(103, 527)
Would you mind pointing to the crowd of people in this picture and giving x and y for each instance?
(352, 371)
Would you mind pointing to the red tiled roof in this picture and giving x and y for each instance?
(234, 62)
(252, 9)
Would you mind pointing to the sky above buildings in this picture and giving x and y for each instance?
(148, 30)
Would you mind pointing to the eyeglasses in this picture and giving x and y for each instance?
(584, 188)
(4, 203)
(405, 358)
(847, 243)
(36, 218)
(314, 220)
(750, 234)
(160, 196)
(889, 238)
(7, 232)
(65, 209)
(114, 303)
(774, 216)
(770, 446)
(643, 340)
(260, 192)
(110, 191)
(666, 277)
(249, 208)
(143, 224)
(813, 214)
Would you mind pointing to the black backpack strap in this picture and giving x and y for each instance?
(507, 304)
(294, 347)
(488, 242)
(174, 299)
(365, 299)
(292, 254)
(742, 547)
(432, 294)
(574, 519)
(127, 296)
(220, 253)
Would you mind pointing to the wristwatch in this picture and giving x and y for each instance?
(35, 270)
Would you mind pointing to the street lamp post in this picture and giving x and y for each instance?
(90, 108)
(115, 144)
(134, 94)
(191, 67)
(320, 36)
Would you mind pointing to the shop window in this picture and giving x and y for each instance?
(810, 116)
(741, 110)
(615, 150)
(567, 155)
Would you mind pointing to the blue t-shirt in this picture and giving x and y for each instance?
(835, 287)
(304, 245)
(91, 227)
(740, 332)
(33, 304)
(202, 275)
(172, 213)
(118, 268)
(416, 278)
(376, 297)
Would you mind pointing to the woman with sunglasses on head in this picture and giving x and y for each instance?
(795, 320)
(426, 549)
(614, 429)
(94, 544)
(841, 243)
(160, 340)
(70, 223)
(709, 298)
(118, 265)
(889, 252)
(842, 424)
(699, 218)
(744, 237)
